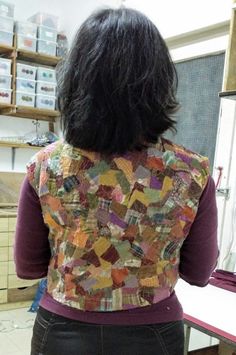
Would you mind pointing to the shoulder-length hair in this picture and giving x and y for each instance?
(117, 86)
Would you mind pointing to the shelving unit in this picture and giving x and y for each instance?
(23, 111)
(7, 144)
(230, 94)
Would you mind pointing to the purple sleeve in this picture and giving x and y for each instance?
(31, 249)
(199, 252)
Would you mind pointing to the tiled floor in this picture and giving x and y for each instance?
(16, 331)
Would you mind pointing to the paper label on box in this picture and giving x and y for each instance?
(49, 34)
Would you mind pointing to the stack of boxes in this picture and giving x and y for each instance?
(5, 81)
(6, 23)
(35, 87)
(26, 35)
(39, 33)
(47, 32)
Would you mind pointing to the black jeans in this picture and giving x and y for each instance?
(57, 335)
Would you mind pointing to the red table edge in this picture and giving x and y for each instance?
(210, 328)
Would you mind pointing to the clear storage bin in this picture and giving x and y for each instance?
(46, 47)
(25, 71)
(45, 74)
(5, 66)
(26, 43)
(45, 102)
(5, 81)
(46, 88)
(6, 9)
(25, 85)
(6, 24)
(25, 99)
(27, 29)
(47, 33)
(5, 96)
(6, 38)
(44, 19)
(62, 45)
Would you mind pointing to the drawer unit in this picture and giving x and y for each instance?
(4, 239)
(27, 43)
(25, 99)
(6, 38)
(4, 254)
(27, 29)
(6, 23)
(43, 19)
(3, 281)
(4, 224)
(3, 296)
(11, 236)
(25, 85)
(47, 33)
(25, 71)
(46, 47)
(11, 268)
(6, 9)
(10, 253)
(46, 74)
(5, 96)
(5, 81)
(5, 66)
(11, 224)
(4, 268)
(46, 88)
(15, 282)
(45, 102)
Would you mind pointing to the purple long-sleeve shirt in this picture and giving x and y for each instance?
(198, 257)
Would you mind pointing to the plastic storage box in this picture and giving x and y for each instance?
(27, 29)
(46, 88)
(5, 66)
(25, 85)
(43, 19)
(6, 9)
(6, 38)
(5, 96)
(47, 34)
(46, 47)
(6, 24)
(45, 74)
(26, 43)
(25, 71)
(5, 81)
(25, 99)
(45, 102)
(62, 45)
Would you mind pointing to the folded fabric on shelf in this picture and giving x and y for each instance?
(223, 279)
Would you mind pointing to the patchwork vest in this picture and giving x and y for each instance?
(116, 224)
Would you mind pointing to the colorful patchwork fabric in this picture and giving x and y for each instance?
(116, 224)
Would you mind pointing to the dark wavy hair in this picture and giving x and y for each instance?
(117, 86)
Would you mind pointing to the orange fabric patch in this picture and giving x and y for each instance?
(118, 275)
(155, 163)
(80, 239)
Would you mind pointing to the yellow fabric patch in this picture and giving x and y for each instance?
(80, 239)
(161, 266)
(105, 265)
(51, 223)
(182, 223)
(103, 282)
(140, 196)
(167, 186)
(101, 245)
(126, 167)
(149, 282)
(108, 178)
